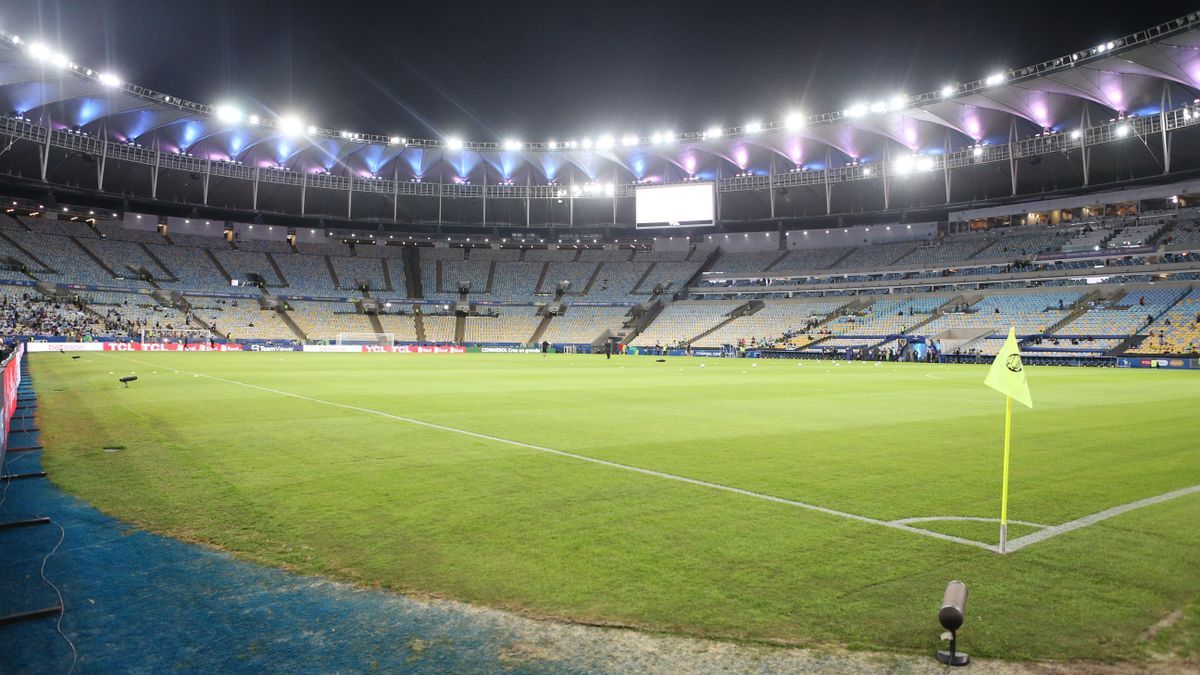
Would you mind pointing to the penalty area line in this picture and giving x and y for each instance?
(602, 462)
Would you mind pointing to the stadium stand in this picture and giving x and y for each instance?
(1176, 331)
(503, 324)
(583, 324)
(682, 321)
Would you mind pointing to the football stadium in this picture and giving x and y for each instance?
(895, 383)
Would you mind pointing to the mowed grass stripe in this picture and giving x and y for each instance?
(407, 508)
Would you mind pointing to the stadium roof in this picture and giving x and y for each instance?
(1138, 75)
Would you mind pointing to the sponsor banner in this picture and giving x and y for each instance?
(1158, 362)
(12, 380)
(272, 348)
(65, 346)
(401, 349)
(510, 350)
(169, 347)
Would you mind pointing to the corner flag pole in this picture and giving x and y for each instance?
(1004, 482)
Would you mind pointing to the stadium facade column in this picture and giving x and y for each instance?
(484, 221)
(395, 192)
(887, 182)
(528, 187)
(303, 187)
(350, 196)
(946, 165)
(717, 192)
(771, 187)
(614, 199)
(154, 176)
(254, 188)
(44, 150)
(1012, 156)
(103, 158)
(1083, 147)
(440, 189)
(207, 176)
(1162, 123)
(828, 185)
(571, 205)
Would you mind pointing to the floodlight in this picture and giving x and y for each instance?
(253, 119)
(312, 129)
(1076, 134)
(878, 107)
(606, 141)
(657, 138)
(1122, 131)
(903, 165)
(109, 80)
(609, 189)
(925, 164)
(40, 51)
(228, 114)
(668, 136)
(994, 79)
(714, 132)
(947, 91)
(897, 101)
(866, 171)
(290, 125)
(395, 140)
(512, 145)
(552, 145)
(629, 141)
(752, 127)
(856, 110)
(794, 121)
(587, 144)
(977, 151)
(454, 143)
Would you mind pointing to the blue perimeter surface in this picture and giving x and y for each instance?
(138, 602)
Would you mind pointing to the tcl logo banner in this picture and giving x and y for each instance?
(168, 347)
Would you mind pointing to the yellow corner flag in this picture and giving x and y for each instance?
(1007, 375)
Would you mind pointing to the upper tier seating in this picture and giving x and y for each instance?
(1028, 313)
(809, 259)
(582, 325)
(306, 274)
(512, 325)
(681, 321)
(1177, 331)
(350, 271)
(192, 266)
(745, 263)
(615, 282)
(776, 319)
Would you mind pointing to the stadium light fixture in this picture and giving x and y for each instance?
(656, 138)
(512, 145)
(228, 114)
(866, 171)
(903, 165)
(668, 136)
(454, 143)
(947, 91)
(977, 151)
(713, 132)
(629, 141)
(1076, 134)
(395, 140)
(925, 164)
(586, 143)
(109, 80)
(898, 101)
(609, 189)
(40, 51)
(994, 79)
(794, 121)
(879, 107)
(291, 126)
(312, 129)
(605, 142)
(1122, 131)
(552, 144)
(752, 127)
(253, 119)
(856, 110)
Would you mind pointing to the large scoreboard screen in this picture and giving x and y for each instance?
(687, 205)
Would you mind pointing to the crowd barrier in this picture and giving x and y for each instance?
(12, 380)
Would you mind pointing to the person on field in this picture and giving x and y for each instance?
(607, 350)
(545, 348)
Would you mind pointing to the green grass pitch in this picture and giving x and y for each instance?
(377, 501)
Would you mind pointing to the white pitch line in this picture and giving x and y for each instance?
(1013, 545)
(602, 462)
(974, 519)
(1054, 531)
